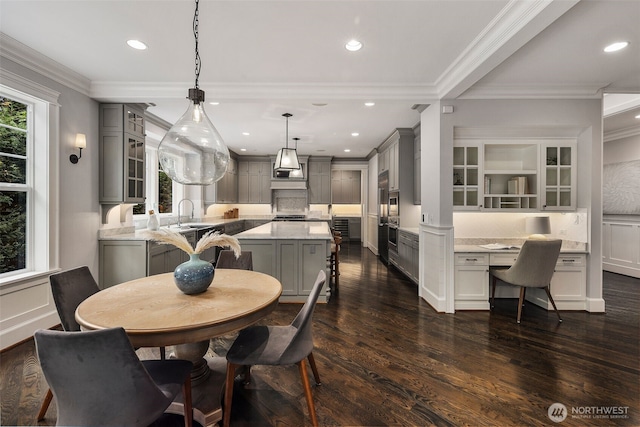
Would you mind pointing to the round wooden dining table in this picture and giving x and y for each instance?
(155, 313)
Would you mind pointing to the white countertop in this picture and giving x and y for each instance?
(287, 230)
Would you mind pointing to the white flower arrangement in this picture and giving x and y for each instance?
(166, 236)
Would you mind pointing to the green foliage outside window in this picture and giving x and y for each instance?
(13, 204)
(165, 192)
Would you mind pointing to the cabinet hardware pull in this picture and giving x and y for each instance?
(568, 260)
(472, 259)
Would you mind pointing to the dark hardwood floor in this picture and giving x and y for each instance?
(386, 358)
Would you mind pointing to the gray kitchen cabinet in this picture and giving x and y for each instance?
(254, 176)
(345, 187)
(408, 253)
(122, 154)
(400, 151)
(355, 225)
(124, 260)
(297, 264)
(226, 189)
(320, 180)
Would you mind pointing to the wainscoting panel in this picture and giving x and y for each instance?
(621, 246)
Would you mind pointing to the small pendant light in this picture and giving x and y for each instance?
(287, 158)
(193, 152)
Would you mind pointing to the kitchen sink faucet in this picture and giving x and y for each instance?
(180, 203)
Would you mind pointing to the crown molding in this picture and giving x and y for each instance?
(31, 59)
(516, 24)
(144, 91)
(621, 133)
(534, 92)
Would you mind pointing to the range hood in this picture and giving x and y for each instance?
(288, 184)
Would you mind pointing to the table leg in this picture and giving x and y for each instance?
(195, 353)
(207, 379)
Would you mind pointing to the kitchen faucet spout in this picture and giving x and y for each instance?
(179, 204)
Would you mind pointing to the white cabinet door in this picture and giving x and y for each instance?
(471, 281)
(559, 171)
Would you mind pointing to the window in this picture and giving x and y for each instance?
(14, 188)
(29, 119)
(165, 192)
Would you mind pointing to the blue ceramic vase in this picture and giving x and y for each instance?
(194, 276)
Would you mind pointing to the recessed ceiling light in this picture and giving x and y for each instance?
(369, 104)
(319, 104)
(614, 47)
(136, 44)
(346, 150)
(243, 149)
(638, 116)
(353, 45)
(355, 134)
(214, 103)
(246, 133)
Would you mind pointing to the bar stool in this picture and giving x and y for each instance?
(334, 260)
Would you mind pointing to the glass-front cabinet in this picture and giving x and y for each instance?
(514, 174)
(466, 172)
(559, 176)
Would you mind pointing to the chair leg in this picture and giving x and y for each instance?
(247, 374)
(337, 267)
(163, 353)
(314, 369)
(188, 404)
(45, 405)
(553, 303)
(521, 301)
(228, 394)
(307, 392)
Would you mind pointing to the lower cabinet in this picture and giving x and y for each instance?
(124, 260)
(407, 259)
(295, 263)
(471, 281)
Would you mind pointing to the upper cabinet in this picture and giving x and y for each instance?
(122, 154)
(226, 189)
(397, 155)
(320, 180)
(559, 176)
(254, 180)
(525, 175)
(345, 187)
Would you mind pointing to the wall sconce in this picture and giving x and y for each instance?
(81, 142)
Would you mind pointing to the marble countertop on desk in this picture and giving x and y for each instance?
(473, 245)
(412, 230)
(289, 230)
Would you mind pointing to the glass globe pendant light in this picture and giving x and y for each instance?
(193, 152)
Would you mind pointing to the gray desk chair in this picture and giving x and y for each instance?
(226, 259)
(533, 268)
(98, 380)
(69, 289)
(276, 345)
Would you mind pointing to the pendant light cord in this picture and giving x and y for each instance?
(195, 34)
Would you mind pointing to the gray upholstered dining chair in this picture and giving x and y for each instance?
(533, 268)
(227, 259)
(98, 380)
(276, 345)
(69, 289)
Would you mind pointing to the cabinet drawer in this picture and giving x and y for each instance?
(571, 261)
(503, 259)
(472, 259)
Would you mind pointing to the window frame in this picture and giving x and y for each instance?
(42, 180)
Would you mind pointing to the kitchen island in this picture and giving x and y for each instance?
(293, 252)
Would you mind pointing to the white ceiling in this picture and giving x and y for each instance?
(263, 58)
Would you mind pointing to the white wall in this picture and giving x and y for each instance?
(79, 210)
(621, 150)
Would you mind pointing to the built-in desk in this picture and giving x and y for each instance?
(471, 278)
